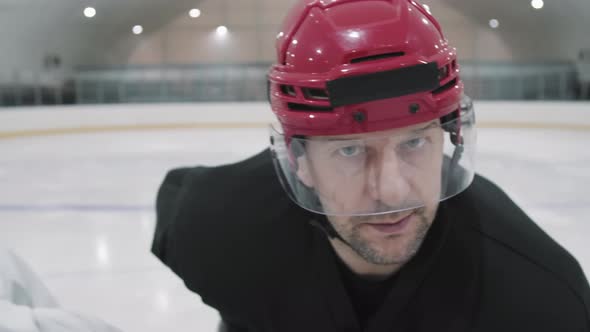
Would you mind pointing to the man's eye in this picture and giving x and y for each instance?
(414, 144)
(350, 151)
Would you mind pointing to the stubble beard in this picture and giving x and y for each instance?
(369, 253)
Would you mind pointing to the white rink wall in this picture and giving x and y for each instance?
(27, 121)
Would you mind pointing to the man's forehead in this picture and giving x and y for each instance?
(391, 132)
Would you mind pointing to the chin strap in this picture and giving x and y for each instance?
(322, 223)
(453, 165)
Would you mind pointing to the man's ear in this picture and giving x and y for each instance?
(303, 171)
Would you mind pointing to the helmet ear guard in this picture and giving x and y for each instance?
(453, 121)
(297, 147)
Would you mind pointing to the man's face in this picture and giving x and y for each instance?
(360, 179)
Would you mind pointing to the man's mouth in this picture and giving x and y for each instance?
(391, 227)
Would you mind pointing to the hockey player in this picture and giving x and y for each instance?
(376, 220)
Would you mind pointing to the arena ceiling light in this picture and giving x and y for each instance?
(194, 13)
(89, 12)
(221, 31)
(137, 30)
(494, 23)
(537, 4)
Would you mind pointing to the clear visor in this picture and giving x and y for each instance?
(380, 172)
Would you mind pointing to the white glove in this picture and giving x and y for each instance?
(27, 306)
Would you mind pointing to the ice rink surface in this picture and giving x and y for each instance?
(80, 208)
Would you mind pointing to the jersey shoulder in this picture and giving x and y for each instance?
(520, 261)
(228, 230)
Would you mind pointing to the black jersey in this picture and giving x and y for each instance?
(236, 239)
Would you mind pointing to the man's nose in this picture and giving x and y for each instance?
(387, 178)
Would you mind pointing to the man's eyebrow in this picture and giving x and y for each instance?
(432, 124)
(428, 126)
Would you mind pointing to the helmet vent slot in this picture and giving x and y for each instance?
(315, 94)
(288, 90)
(443, 73)
(377, 57)
(445, 87)
(308, 108)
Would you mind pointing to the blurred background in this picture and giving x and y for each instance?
(100, 98)
(112, 51)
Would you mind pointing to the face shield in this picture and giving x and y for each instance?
(378, 172)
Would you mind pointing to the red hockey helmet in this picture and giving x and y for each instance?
(354, 67)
